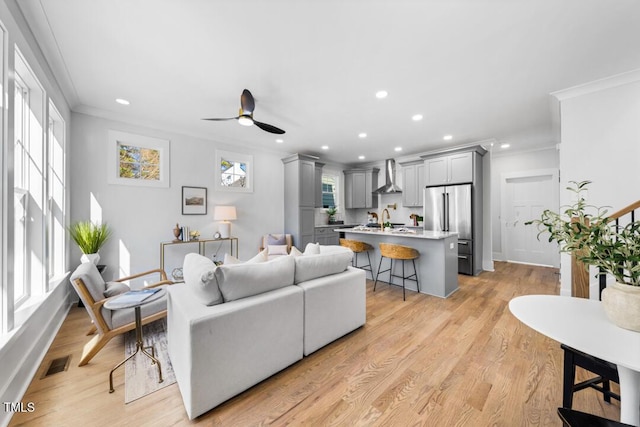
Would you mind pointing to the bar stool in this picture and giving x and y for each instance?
(398, 252)
(359, 247)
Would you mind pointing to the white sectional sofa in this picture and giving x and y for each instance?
(232, 326)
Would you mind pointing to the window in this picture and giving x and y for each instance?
(234, 171)
(138, 160)
(329, 190)
(56, 193)
(30, 185)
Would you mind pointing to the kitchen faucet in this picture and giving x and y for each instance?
(382, 217)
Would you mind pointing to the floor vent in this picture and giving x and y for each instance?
(58, 365)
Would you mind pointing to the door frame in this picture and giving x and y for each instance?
(555, 197)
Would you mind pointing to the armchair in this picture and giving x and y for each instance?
(94, 292)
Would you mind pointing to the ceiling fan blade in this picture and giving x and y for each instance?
(268, 128)
(220, 120)
(247, 102)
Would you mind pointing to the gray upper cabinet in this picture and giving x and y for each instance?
(450, 169)
(413, 183)
(358, 188)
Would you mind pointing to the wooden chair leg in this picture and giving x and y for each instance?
(93, 347)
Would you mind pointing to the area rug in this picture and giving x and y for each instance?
(141, 375)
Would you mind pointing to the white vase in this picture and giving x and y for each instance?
(94, 258)
(621, 303)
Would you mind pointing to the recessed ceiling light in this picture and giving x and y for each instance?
(416, 117)
(505, 145)
(279, 141)
(447, 137)
(398, 149)
(361, 157)
(381, 94)
(122, 101)
(325, 147)
(362, 135)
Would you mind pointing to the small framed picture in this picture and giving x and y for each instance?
(194, 200)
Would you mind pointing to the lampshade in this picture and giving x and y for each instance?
(224, 213)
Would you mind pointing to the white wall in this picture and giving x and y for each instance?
(600, 129)
(507, 162)
(142, 217)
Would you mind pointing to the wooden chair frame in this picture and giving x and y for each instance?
(100, 326)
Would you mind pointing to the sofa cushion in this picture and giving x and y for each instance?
(332, 261)
(262, 256)
(295, 251)
(115, 288)
(242, 280)
(199, 276)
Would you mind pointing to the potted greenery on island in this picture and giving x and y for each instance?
(586, 231)
(90, 238)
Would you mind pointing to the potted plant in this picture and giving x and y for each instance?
(586, 231)
(331, 211)
(90, 238)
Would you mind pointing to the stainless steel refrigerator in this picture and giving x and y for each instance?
(450, 208)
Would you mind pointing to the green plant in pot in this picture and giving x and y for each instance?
(331, 211)
(586, 230)
(90, 238)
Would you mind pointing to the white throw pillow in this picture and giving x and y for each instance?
(238, 281)
(199, 275)
(295, 252)
(277, 250)
(310, 267)
(312, 249)
(261, 257)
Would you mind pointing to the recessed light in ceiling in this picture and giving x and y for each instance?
(381, 94)
(361, 157)
(505, 145)
(447, 137)
(398, 149)
(416, 117)
(279, 140)
(122, 101)
(362, 135)
(325, 147)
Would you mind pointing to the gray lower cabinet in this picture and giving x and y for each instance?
(327, 236)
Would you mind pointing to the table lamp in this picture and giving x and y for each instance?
(224, 214)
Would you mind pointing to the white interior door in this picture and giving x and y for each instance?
(525, 196)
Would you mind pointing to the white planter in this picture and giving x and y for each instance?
(94, 258)
(622, 305)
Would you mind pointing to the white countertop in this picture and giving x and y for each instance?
(417, 234)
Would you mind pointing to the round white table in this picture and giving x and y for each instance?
(582, 324)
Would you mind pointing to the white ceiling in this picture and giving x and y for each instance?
(477, 70)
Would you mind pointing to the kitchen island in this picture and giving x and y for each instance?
(438, 263)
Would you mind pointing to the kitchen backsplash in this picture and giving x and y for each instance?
(359, 216)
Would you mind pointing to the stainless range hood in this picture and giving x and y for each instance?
(390, 178)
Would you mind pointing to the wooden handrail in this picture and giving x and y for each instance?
(632, 207)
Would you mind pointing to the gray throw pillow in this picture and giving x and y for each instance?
(115, 288)
(275, 240)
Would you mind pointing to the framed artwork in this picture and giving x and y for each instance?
(234, 172)
(194, 200)
(138, 160)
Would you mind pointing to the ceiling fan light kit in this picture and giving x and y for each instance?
(245, 116)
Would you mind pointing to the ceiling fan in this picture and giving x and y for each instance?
(245, 116)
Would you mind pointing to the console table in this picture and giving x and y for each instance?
(582, 324)
(201, 245)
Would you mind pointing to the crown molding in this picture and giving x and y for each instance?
(598, 85)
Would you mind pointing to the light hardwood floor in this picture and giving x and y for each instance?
(460, 361)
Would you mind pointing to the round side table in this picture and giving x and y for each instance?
(114, 304)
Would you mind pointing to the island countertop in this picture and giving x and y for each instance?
(416, 234)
